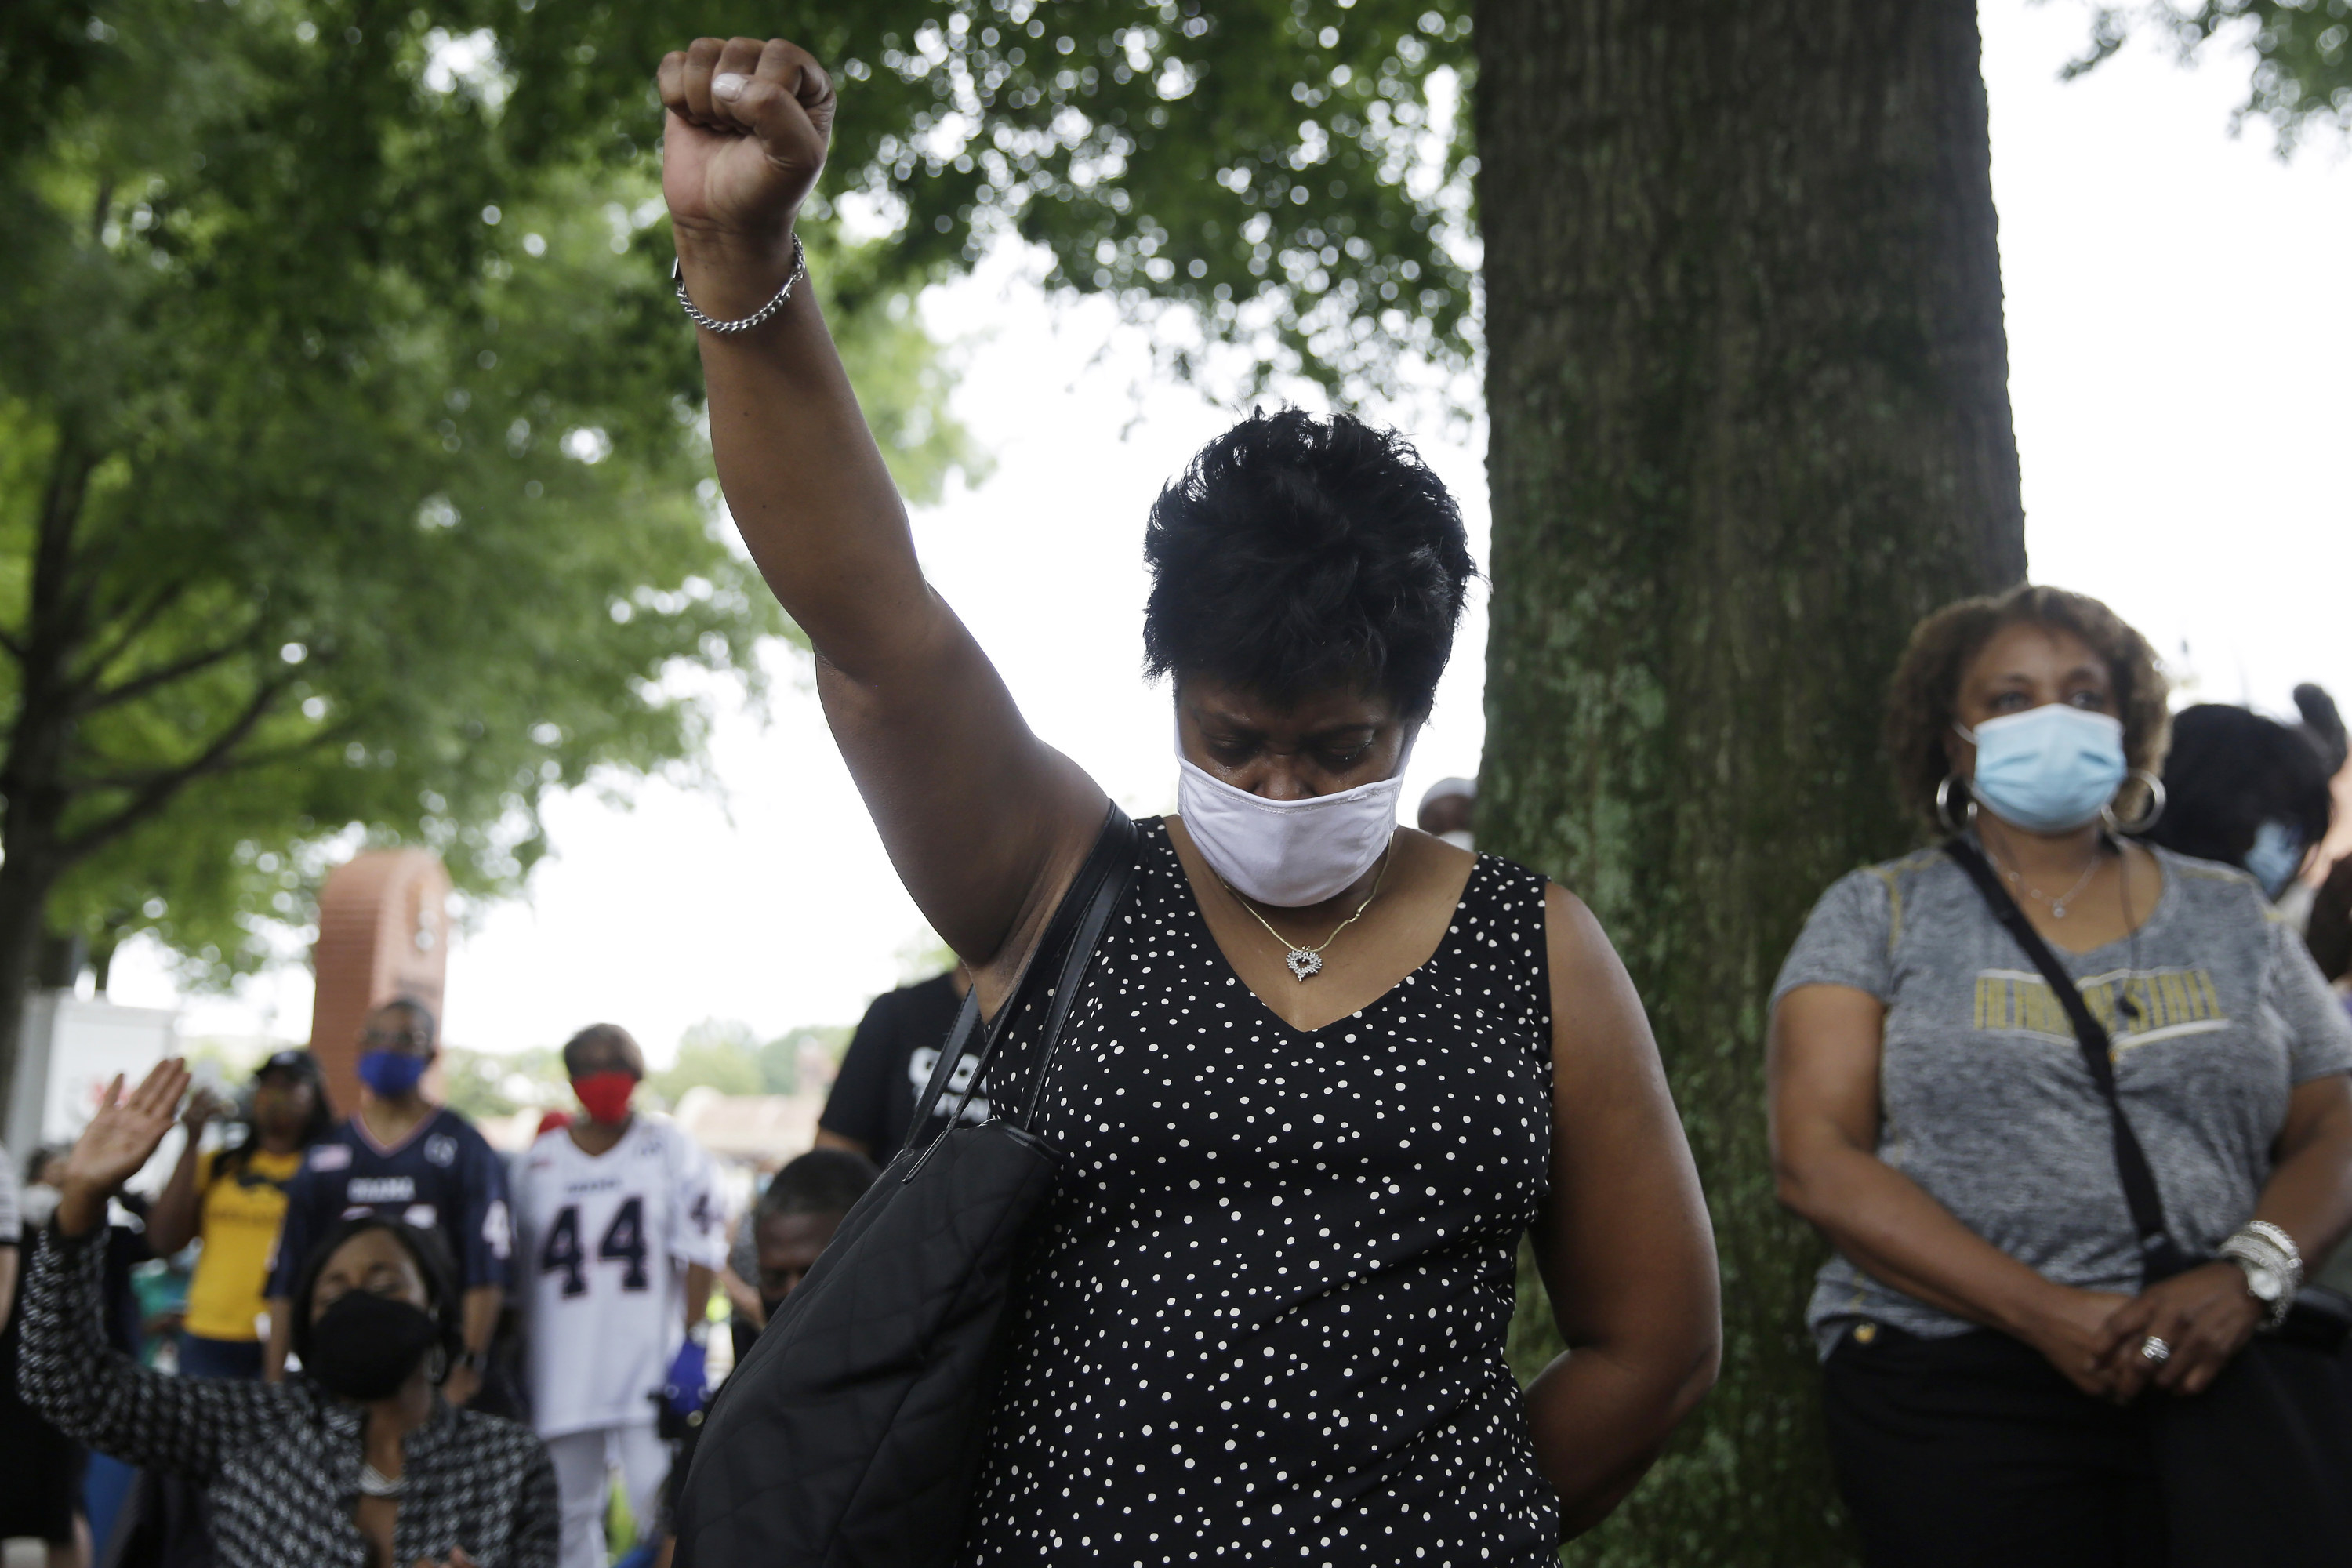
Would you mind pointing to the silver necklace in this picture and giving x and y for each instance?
(1306, 963)
(2057, 905)
(375, 1483)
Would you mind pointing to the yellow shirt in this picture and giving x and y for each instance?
(237, 1216)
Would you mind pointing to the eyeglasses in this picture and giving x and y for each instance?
(392, 1037)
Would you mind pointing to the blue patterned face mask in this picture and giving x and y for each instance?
(2049, 769)
(2276, 856)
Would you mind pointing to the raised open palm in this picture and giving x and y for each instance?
(123, 1135)
(744, 136)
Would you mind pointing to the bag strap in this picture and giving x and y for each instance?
(943, 1070)
(1118, 847)
(2160, 1255)
(1074, 933)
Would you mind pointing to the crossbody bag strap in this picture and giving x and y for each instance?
(2159, 1253)
(943, 1070)
(1116, 848)
(1077, 924)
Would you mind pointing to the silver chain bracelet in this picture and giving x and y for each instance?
(709, 324)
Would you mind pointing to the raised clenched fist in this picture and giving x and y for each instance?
(742, 141)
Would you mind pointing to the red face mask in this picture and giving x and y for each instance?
(605, 1095)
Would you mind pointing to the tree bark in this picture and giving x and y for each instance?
(33, 793)
(24, 903)
(1748, 388)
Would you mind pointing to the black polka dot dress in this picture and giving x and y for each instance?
(1263, 1317)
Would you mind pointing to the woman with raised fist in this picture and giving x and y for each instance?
(1324, 1072)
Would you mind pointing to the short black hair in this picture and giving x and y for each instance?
(415, 1008)
(432, 1261)
(2323, 726)
(2231, 770)
(595, 1033)
(1298, 553)
(823, 1181)
(301, 1065)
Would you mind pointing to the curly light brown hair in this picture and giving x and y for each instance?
(1920, 701)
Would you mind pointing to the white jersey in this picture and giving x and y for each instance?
(601, 1269)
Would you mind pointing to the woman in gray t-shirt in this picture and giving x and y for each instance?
(1999, 1382)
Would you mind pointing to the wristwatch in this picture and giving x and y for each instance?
(2272, 1264)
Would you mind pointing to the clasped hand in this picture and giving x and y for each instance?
(2202, 1317)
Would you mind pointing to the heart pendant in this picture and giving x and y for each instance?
(1305, 964)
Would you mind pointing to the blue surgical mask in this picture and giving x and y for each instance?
(2276, 856)
(391, 1074)
(2049, 769)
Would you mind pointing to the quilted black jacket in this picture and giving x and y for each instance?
(281, 1460)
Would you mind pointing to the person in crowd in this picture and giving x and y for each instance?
(889, 1065)
(2001, 1376)
(1298, 1158)
(403, 1157)
(2245, 791)
(40, 1466)
(360, 1461)
(622, 1233)
(232, 1201)
(1449, 810)
(52, 1458)
(793, 1222)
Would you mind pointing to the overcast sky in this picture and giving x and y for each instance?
(2177, 355)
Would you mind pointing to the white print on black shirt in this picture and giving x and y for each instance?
(918, 1073)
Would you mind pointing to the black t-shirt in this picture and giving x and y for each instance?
(889, 1063)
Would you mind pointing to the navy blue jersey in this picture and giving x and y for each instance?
(442, 1176)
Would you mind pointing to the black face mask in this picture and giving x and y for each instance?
(365, 1345)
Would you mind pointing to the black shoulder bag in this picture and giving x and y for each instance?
(2319, 1319)
(850, 1435)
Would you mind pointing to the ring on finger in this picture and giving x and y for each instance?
(2154, 1350)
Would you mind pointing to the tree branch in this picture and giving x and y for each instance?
(249, 762)
(134, 627)
(139, 686)
(160, 786)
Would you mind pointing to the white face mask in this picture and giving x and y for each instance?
(1287, 852)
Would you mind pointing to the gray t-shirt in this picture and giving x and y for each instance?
(1984, 1100)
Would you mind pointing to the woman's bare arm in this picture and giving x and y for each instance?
(1624, 1244)
(983, 822)
(2309, 1194)
(1822, 1073)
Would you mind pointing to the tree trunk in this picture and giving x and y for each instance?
(1748, 387)
(24, 902)
(33, 788)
